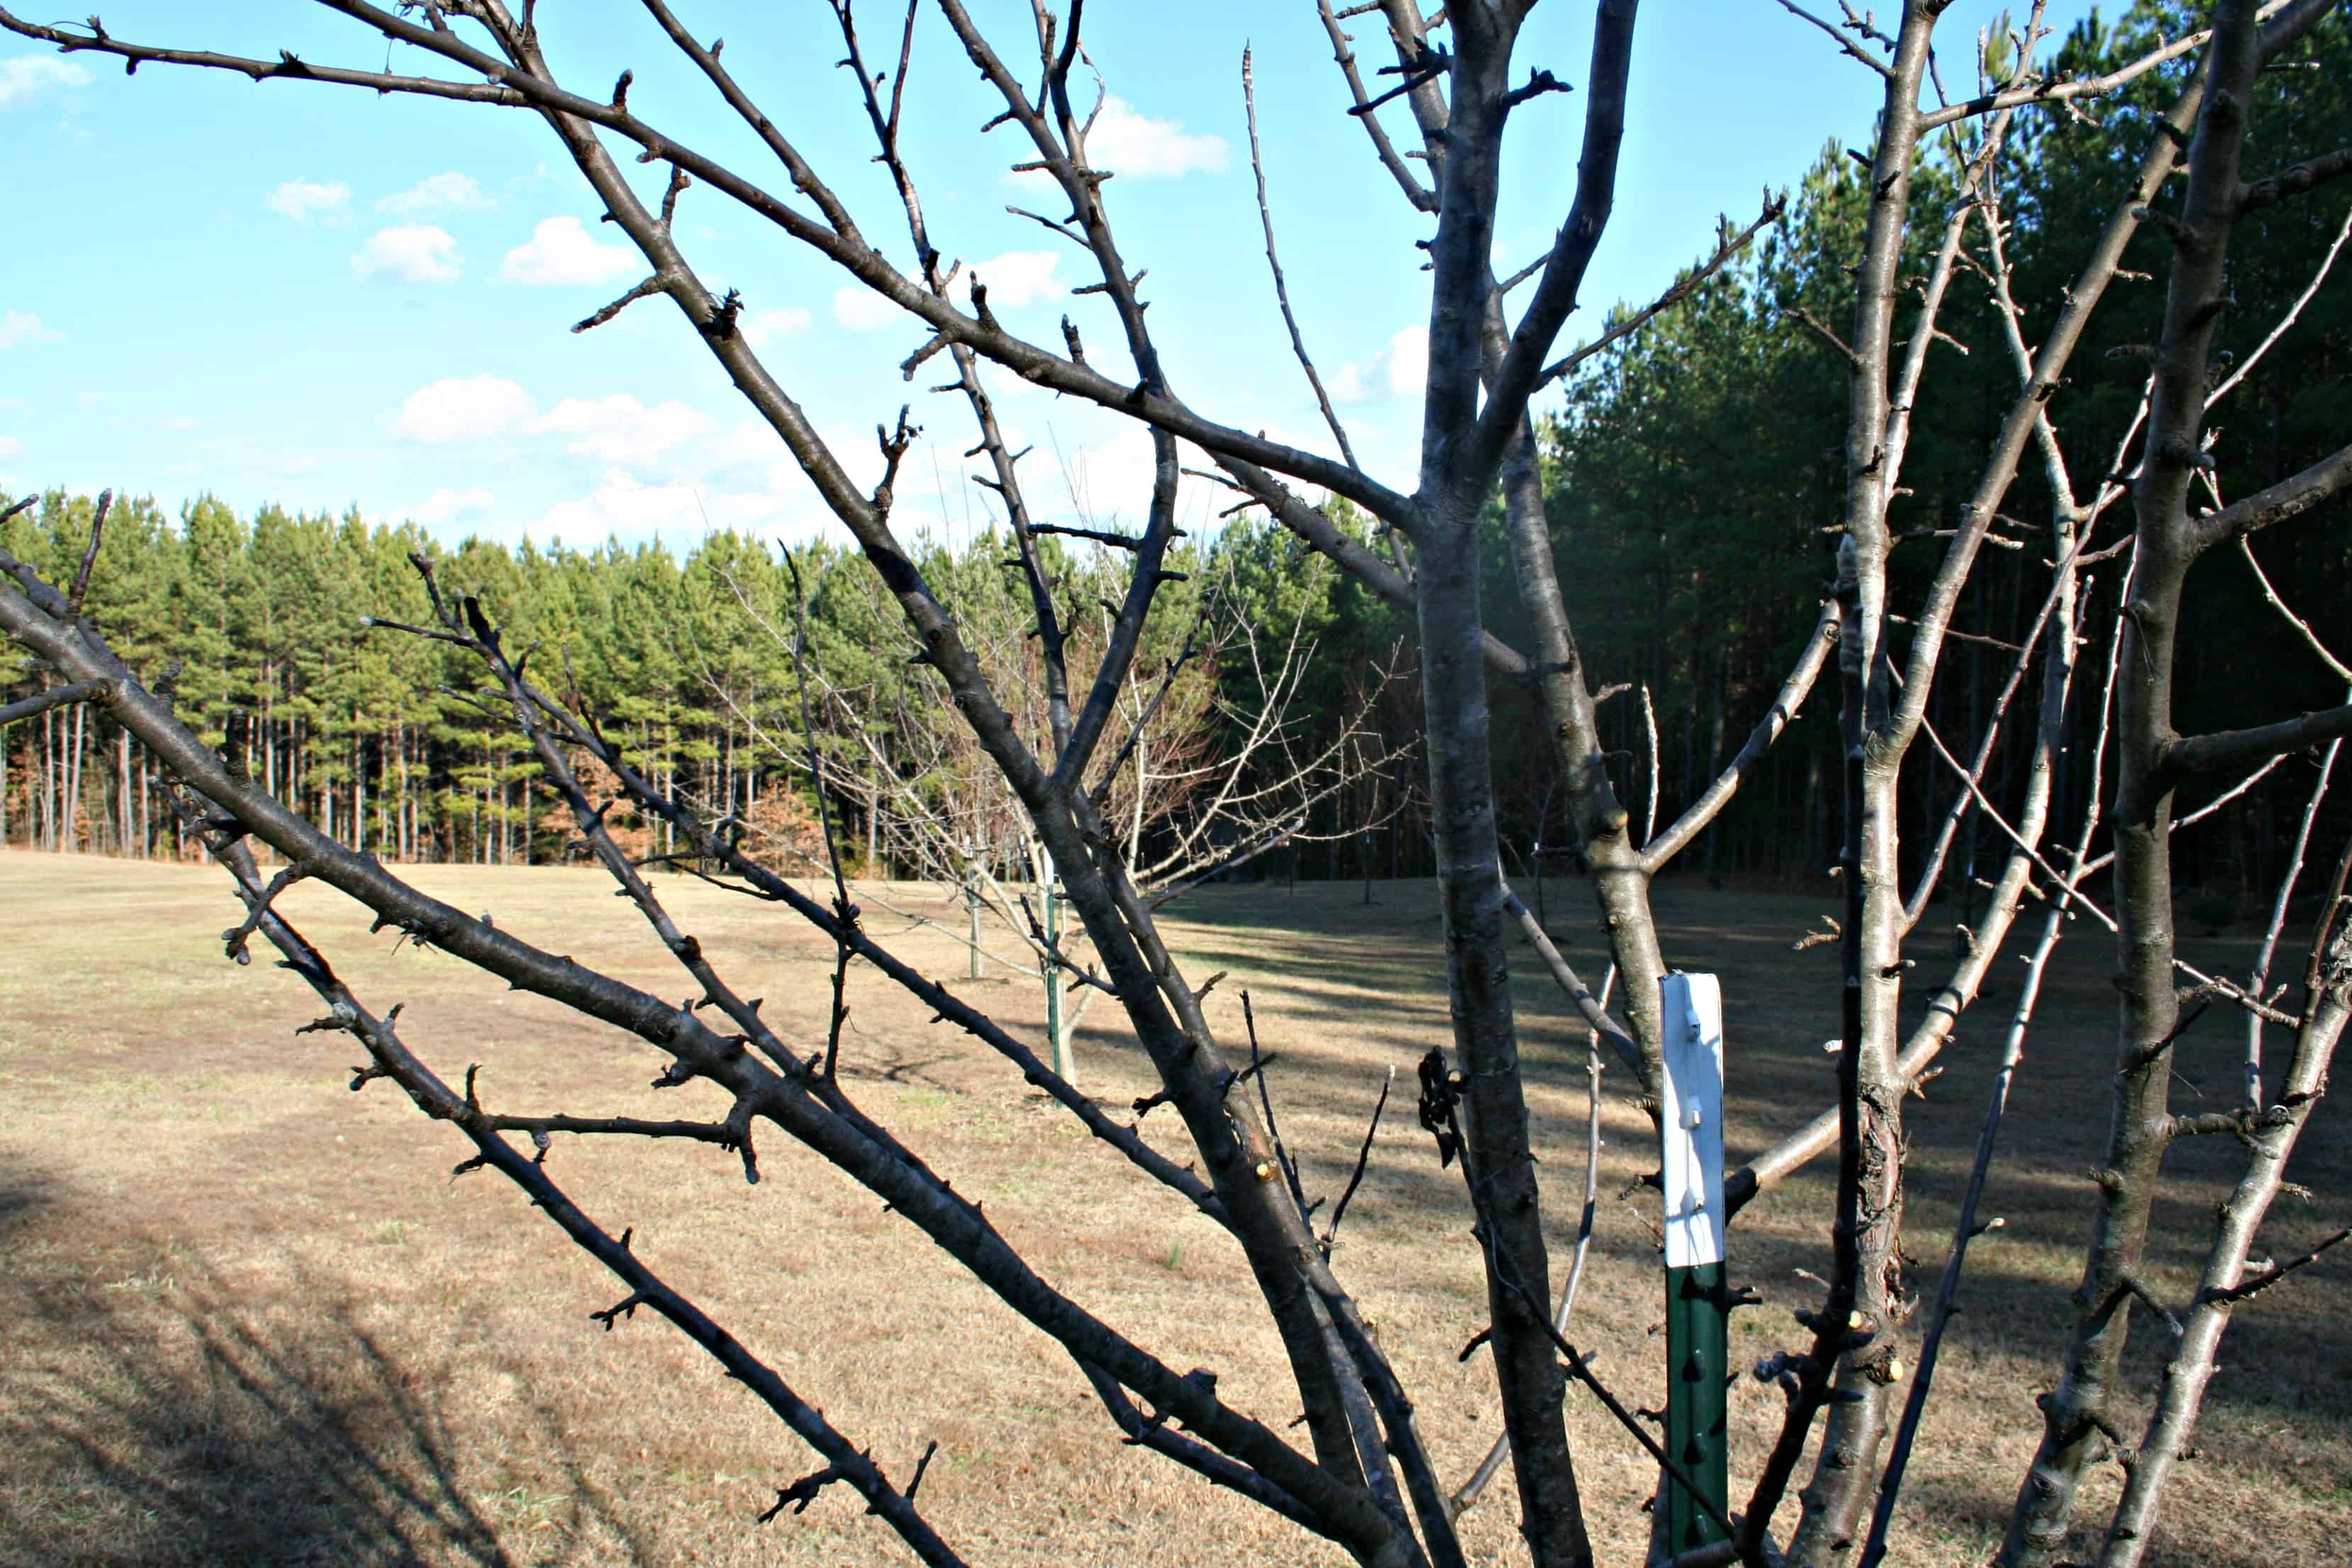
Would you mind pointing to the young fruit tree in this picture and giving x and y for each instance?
(2087, 698)
(1214, 770)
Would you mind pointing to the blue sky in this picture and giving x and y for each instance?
(309, 295)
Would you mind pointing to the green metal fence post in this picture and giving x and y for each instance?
(1057, 1030)
(1697, 1353)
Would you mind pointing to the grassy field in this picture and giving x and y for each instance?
(245, 1316)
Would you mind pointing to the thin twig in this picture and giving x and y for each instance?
(89, 556)
(2254, 1284)
(1273, 264)
(1363, 1156)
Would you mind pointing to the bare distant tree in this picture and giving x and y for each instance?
(1364, 1479)
(1213, 771)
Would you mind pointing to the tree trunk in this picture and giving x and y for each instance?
(2148, 1007)
(1497, 1160)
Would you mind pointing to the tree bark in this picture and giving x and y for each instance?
(2078, 1413)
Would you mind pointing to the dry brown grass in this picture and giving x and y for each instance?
(246, 1318)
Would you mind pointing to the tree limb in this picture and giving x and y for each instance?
(2289, 499)
(2238, 748)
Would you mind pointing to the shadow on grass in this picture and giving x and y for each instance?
(170, 1418)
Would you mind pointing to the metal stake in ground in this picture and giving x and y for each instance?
(1057, 1026)
(1696, 1302)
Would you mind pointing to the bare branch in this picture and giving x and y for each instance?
(1846, 46)
(2070, 90)
(286, 68)
(2292, 313)
(2237, 748)
(1783, 712)
(2295, 180)
(55, 697)
(2283, 502)
(1727, 245)
(1823, 331)
(1273, 264)
(650, 286)
(391, 1059)
(1344, 56)
(2303, 629)
(1461, 244)
(1363, 1158)
(2254, 1284)
(1595, 1015)
(89, 554)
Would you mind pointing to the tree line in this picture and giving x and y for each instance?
(1696, 475)
(278, 634)
(1690, 478)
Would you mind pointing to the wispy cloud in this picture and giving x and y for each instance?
(861, 310)
(410, 252)
(618, 429)
(461, 408)
(452, 192)
(23, 327)
(304, 200)
(562, 253)
(24, 78)
(1400, 370)
(773, 325)
(623, 505)
(1015, 279)
(446, 505)
(1408, 361)
(1144, 149)
(1135, 146)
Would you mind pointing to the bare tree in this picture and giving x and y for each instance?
(1365, 1480)
(1213, 771)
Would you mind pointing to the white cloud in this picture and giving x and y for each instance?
(178, 422)
(1400, 370)
(88, 399)
(462, 407)
(1130, 143)
(762, 328)
(1110, 483)
(1408, 360)
(445, 504)
(10, 448)
(861, 310)
(303, 200)
(452, 192)
(23, 327)
(24, 75)
(751, 441)
(1015, 279)
(617, 429)
(757, 485)
(562, 253)
(410, 252)
(1004, 387)
(623, 505)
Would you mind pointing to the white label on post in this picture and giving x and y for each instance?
(1692, 1129)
